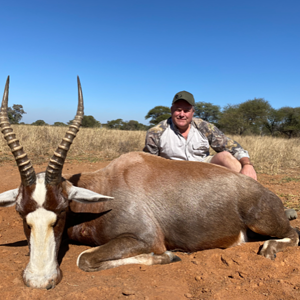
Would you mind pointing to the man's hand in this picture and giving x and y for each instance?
(249, 171)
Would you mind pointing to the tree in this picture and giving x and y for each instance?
(39, 123)
(115, 124)
(231, 120)
(290, 124)
(273, 121)
(133, 125)
(254, 113)
(158, 114)
(248, 116)
(15, 113)
(59, 124)
(127, 125)
(88, 122)
(207, 112)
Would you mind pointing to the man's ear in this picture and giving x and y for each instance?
(9, 198)
(85, 196)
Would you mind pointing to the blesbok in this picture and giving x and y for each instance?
(157, 205)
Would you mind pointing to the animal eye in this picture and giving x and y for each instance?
(28, 226)
(54, 224)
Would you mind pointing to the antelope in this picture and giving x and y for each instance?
(137, 210)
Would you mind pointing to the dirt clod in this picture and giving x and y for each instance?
(128, 292)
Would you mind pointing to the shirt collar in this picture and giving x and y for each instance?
(173, 126)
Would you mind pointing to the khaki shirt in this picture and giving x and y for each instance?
(165, 140)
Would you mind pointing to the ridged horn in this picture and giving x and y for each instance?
(26, 170)
(54, 169)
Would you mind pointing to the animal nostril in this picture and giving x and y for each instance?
(50, 285)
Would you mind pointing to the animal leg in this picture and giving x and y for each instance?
(121, 251)
(271, 247)
(274, 224)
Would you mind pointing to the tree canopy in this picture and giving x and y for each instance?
(247, 117)
(207, 112)
(115, 124)
(15, 113)
(231, 120)
(39, 123)
(123, 125)
(290, 124)
(158, 114)
(134, 125)
(88, 122)
(273, 121)
(59, 124)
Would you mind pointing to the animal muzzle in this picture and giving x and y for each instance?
(42, 280)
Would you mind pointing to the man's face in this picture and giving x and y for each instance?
(182, 114)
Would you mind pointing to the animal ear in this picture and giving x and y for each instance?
(9, 198)
(86, 196)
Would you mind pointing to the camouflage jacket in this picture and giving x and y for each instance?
(165, 140)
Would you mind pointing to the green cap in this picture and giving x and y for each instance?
(186, 96)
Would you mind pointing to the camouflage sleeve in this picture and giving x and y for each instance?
(153, 138)
(219, 141)
(151, 143)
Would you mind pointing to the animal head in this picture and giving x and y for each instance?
(42, 200)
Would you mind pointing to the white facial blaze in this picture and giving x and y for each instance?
(43, 264)
(39, 194)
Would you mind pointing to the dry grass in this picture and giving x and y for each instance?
(269, 155)
(39, 142)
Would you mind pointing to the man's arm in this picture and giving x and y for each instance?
(220, 142)
(151, 143)
(247, 168)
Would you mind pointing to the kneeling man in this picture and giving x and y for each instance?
(182, 137)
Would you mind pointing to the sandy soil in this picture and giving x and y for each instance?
(235, 273)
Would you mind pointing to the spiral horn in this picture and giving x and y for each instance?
(26, 170)
(55, 166)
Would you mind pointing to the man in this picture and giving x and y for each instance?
(182, 137)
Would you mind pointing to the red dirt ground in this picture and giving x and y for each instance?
(234, 273)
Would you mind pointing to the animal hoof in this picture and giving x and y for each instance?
(171, 255)
(176, 259)
(290, 213)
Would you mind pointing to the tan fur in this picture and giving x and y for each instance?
(157, 184)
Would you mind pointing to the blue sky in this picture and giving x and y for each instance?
(134, 55)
